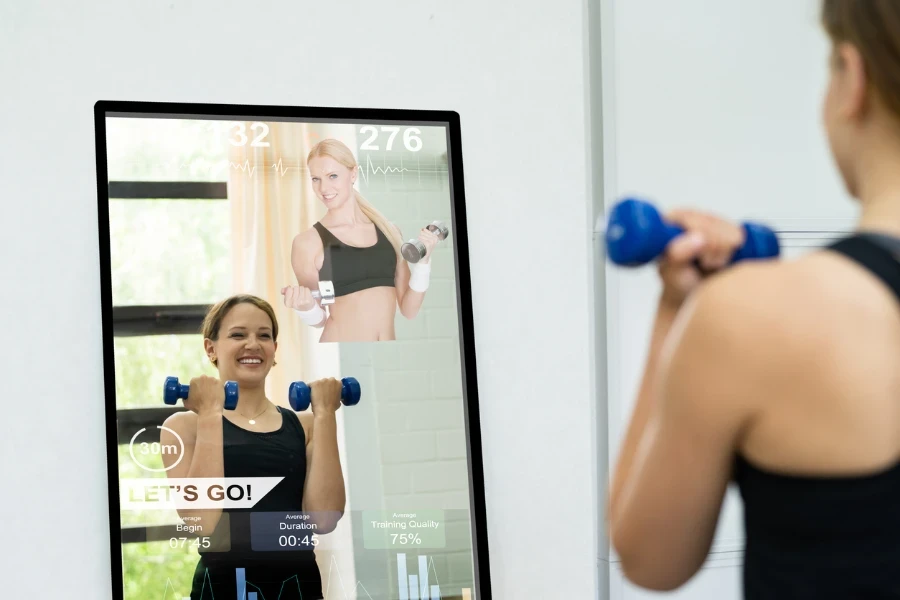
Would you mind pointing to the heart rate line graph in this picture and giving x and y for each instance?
(205, 170)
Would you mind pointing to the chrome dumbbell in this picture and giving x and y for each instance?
(414, 250)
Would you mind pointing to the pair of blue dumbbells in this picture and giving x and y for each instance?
(299, 394)
(637, 234)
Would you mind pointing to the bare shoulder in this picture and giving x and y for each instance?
(756, 315)
(781, 312)
(306, 241)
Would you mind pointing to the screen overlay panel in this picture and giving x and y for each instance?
(291, 405)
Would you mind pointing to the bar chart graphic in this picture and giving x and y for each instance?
(417, 585)
(421, 584)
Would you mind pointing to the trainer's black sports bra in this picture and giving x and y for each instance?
(354, 268)
(823, 538)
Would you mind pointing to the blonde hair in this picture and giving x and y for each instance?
(338, 151)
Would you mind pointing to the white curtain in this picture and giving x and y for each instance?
(271, 202)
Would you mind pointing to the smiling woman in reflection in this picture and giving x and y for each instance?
(782, 375)
(355, 248)
(257, 439)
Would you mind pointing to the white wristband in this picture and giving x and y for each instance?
(313, 316)
(419, 276)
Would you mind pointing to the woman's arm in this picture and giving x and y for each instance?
(665, 316)
(323, 492)
(303, 259)
(700, 387)
(202, 436)
(411, 279)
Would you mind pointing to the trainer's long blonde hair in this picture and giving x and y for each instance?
(341, 153)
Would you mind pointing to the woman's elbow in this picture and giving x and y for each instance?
(409, 313)
(327, 521)
(650, 578)
(648, 572)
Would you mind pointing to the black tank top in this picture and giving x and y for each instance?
(280, 453)
(351, 268)
(823, 538)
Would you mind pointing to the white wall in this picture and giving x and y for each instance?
(517, 76)
(713, 104)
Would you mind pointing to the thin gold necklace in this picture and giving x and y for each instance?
(253, 420)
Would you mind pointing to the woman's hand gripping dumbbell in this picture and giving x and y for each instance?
(206, 394)
(637, 234)
(300, 394)
(303, 301)
(416, 249)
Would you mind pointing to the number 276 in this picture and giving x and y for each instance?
(412, 142)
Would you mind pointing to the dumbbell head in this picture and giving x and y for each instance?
(172, 391)
(413, 251)
(350, 392)
(636, 233)
(299, 396)
(231, 395)
(439, 229)
(762, 242)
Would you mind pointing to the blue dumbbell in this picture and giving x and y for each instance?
(300, 398)
(637, 234)
(173, 390)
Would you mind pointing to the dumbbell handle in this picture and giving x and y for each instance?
(413, 250)
(300, 394)
(637, 234)
(172, 391)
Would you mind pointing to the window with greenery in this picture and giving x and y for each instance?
(170, 244)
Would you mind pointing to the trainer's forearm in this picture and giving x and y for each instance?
(411, 303)
(325, 483)
(417, 286)
(208, 461)
(665, 316)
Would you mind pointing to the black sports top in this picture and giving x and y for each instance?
(279, 453)
(230, 557)
(833, 537)
(354, 268)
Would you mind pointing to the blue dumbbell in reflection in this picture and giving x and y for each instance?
(173, 390)
(637, 234)
(299, 394)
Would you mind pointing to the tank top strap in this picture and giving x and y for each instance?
(878, 253)
(328, 238)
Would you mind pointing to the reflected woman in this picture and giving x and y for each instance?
(257, 439)
(355, 248)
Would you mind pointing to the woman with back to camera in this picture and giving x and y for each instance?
(257, 439)
(782, 375)
(358, 250)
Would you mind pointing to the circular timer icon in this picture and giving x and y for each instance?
(162, 449)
